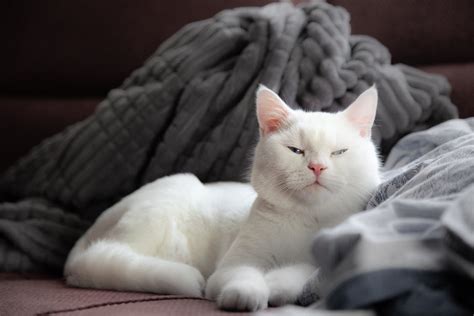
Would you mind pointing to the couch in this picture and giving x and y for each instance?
(59, 59)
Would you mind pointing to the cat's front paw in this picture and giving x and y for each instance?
(243, 296)
(280, 296)
(187, 281)
(281, 292)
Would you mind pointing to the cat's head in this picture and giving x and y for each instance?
(315, 158)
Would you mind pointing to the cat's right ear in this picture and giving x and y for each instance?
(361, 113)
(272, 112)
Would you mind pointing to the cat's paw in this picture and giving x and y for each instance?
(187, 281)
(280, 296)
(282, 292)
(213, 285)
(243, 296)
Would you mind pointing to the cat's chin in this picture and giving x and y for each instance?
(317, 193)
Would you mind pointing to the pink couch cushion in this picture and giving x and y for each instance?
(26, 295)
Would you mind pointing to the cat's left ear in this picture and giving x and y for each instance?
(272, 112)
(362, 111)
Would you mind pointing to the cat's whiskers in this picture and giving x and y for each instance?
(333, 177)
(299, 181)
(281, 183)
(335, 182)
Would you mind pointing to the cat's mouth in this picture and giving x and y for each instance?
(317, 184)
(321, 185)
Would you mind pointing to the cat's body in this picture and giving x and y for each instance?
(173, 219)
(310, 171)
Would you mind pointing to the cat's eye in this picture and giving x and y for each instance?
(296, 150)
(339, 152)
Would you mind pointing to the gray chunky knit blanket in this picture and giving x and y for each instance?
(191, 108)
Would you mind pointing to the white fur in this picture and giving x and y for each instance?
(170, 235)
(165, 238)
(270, 260)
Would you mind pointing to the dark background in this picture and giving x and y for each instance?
(60, 58)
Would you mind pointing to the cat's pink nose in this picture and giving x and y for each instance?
(317, 168)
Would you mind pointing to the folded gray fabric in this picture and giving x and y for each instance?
(190, 108)
(43, 231)
(414, 248)
(459, 223)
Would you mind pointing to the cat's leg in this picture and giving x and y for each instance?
(286, 283)
(144, 251)
(238, 288)
(114, 265)
(238, 283)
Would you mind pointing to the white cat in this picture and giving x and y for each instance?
(311, 170)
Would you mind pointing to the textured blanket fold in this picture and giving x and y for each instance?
(415, 248)
(191, 108)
